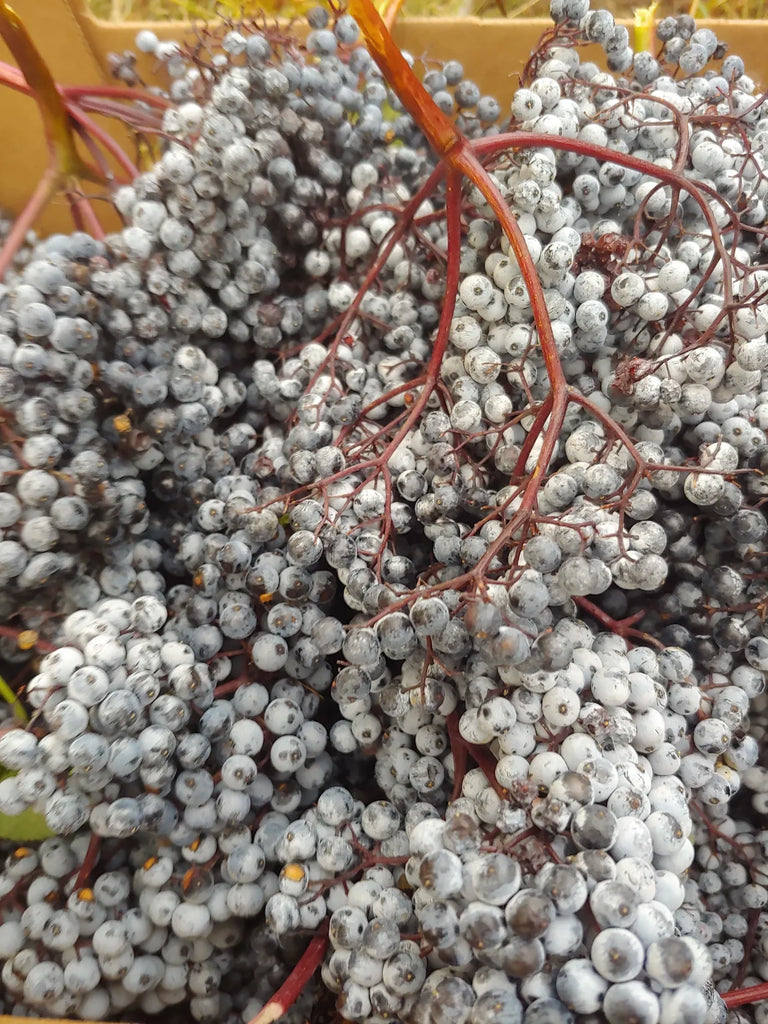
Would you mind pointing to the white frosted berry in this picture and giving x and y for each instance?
(482, 364)
(476, 291)
(703, 488)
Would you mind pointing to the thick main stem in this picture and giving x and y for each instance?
(746, 996)
(58, 131)
(459, 157)
(296, 981)
(441, 133)
(89, 862)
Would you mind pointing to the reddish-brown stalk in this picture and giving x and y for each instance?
(746, 996)
(462, 158)
(65, 115)
(462, 750)
(89, 862)
(296, 981)
(748, 943)
(622, 627)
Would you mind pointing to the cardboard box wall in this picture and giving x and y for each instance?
(76, 46)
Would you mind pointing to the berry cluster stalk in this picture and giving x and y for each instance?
(65, 115)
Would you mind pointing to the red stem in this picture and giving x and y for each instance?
(534, 140)
(296, 981)
(744, 996)
(486, 762)
(467, 162)
(459, 751)
(530, 438)
(452, 275)
(89, 861)
(231, 686)
(13, 78)
(462, 749)
(97, 156)
(621, 627)
(749, 942)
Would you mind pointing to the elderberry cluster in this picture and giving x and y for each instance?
(320, 626)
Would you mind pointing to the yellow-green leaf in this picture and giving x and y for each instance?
(645, 18)
(27, 827)
(7, 694)
(56, 122)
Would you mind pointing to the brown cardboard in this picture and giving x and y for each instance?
(76, 45)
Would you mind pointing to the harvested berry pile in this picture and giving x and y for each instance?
(383, 547)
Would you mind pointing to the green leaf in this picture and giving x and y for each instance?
(7, 694)
(27, 827)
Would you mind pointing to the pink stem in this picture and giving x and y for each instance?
(23, 223)
(104, 139)
(76, 92)
(97, 156)
(90, 220)
(13, 78)
(133, 116)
